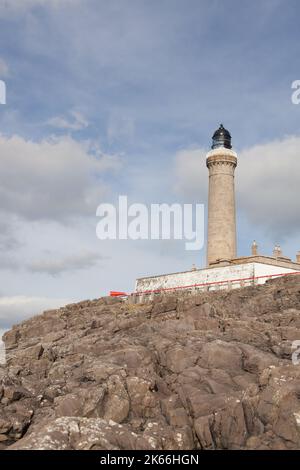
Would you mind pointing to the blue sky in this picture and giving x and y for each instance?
(122, 97)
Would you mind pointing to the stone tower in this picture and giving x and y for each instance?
(221, 162)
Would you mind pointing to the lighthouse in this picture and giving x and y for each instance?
(224, 269)
(221, 162)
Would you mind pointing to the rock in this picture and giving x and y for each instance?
(68, 405)
(206, 371)
(142, 397)
(221, 355)
(163, 304)
(255, 361)
(5, 426)
(13, 393)
(202, 428)
(178, 359)
(116, 407)
(15, 421)
(174, 411)
(87, 403)
(93, 402)
(69, 433)
(229, 426)
(96, 434)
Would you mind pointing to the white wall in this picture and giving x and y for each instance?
(239, 273)
(261, 269)
(202, 276)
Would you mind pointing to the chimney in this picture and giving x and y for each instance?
(254, 248)
(277, 252)
(298, 257)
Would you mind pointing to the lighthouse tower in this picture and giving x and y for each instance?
(221, 162)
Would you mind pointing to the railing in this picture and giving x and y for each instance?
(242, 282)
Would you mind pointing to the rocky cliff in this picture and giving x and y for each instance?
(205, 371)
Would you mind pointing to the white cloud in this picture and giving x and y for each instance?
(268, 181)
(55, 178)
(3, 68)
(191, 174)
(267, 184)
(79, 122)
(71, 263)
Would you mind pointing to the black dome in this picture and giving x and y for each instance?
(221, 138)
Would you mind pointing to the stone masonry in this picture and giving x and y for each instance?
(221, 237)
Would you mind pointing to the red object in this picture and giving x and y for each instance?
(114, 293)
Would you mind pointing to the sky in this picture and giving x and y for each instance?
(122, 98)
